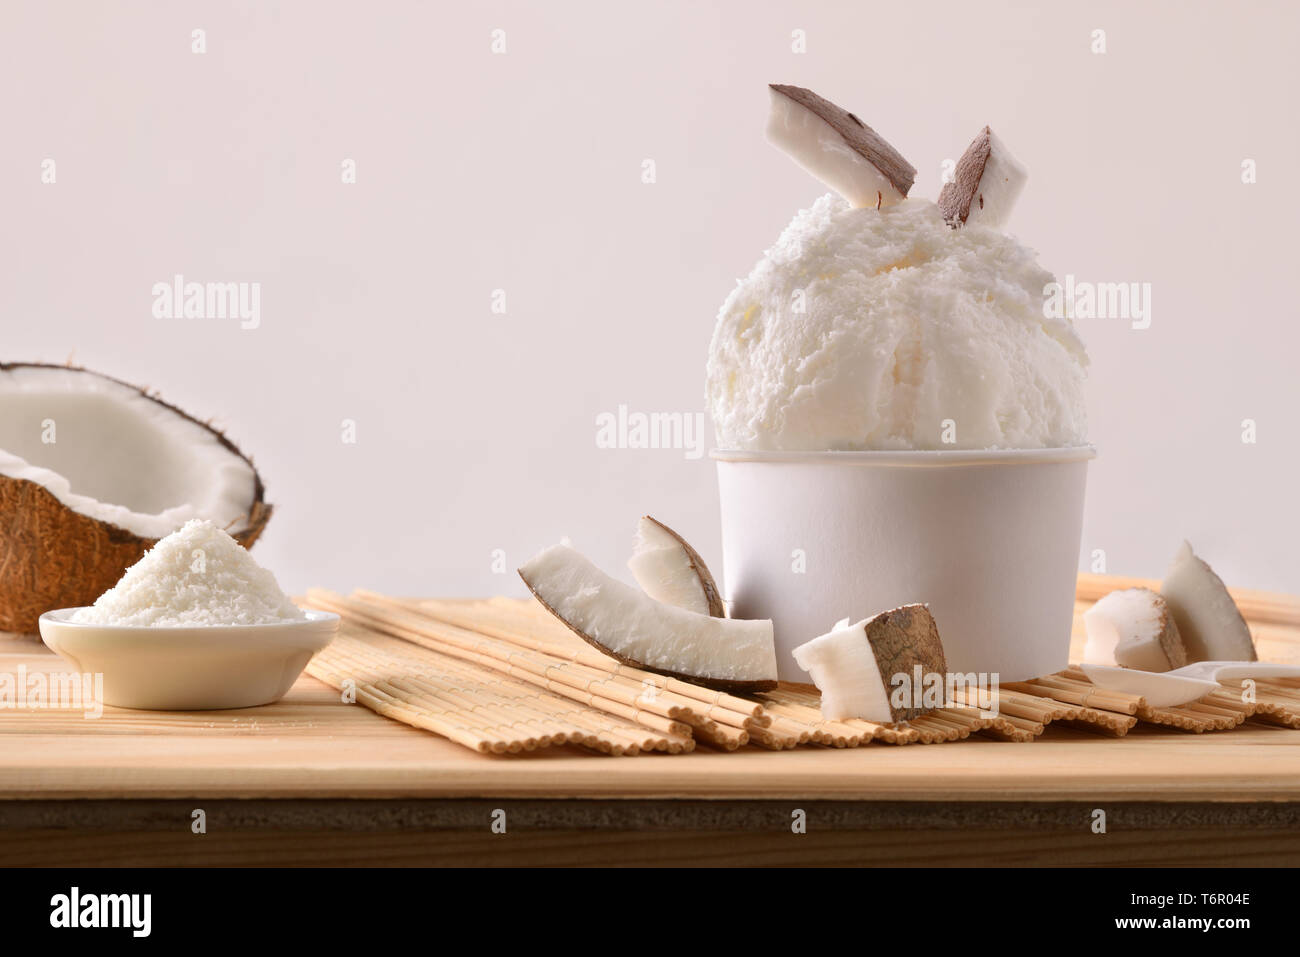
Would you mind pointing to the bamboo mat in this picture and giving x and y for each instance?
(502, 676)
(474, 706)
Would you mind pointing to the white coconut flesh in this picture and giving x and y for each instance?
(1208, 619)
(1131, 628)
(635, 628)
(666, 571)
(111, 453)
(844, 669)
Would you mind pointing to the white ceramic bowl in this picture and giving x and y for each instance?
(193, 668)
(989, 539)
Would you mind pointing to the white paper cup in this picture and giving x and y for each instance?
(988, 539)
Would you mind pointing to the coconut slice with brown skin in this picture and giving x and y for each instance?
(93, 471)
(858, 668)
(1133, 628)
(985, 186)
(670, 571)
(838, 148)
(630, 626)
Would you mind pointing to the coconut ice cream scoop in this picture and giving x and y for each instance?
(887, 329)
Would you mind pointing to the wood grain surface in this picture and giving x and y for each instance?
(311, 782)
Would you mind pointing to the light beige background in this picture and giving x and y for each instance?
(522, 172)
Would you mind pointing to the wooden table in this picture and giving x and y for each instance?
(311, 780)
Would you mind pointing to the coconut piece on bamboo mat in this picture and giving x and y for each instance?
(632, 627)
(670, 571)
(1209, 622)
(870, 670)
(1133, 628)
(838, 148)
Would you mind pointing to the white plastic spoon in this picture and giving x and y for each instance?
(1160, 689)
(1169, 689)
(1226, 670)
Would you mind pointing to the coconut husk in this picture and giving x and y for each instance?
(901, 639)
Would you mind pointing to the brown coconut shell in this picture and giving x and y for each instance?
(54, 557)
(901, 639)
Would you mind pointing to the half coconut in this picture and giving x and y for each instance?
(93, 471)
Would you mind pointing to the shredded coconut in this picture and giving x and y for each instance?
(198, 575)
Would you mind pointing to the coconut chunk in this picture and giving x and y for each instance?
(632, 627)
(1208, 619)
(670, 571)
(838, 148)
(985, 186)
(844, 669)
(1133, 628)
(857, 667)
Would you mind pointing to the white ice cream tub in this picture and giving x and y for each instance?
(988, 539)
